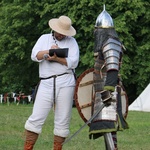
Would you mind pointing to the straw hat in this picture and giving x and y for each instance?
(62, 25)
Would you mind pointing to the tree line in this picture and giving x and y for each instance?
(22, 22)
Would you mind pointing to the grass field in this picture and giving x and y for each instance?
(13, 117)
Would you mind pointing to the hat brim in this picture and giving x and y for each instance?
(53, 23)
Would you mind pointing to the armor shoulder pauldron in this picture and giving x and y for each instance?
(111, 52)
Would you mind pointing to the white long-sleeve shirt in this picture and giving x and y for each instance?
(47, 68)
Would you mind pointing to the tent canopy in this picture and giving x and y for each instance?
(142, 103)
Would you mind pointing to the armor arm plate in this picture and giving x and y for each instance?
(111, 52)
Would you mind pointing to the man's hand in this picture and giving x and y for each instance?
(53, 58)
(54, 47)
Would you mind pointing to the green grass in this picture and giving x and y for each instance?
(13, 117)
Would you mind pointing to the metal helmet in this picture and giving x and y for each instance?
(104, 20)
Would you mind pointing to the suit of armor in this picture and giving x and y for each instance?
(108, 52)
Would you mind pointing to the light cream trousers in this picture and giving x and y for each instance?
(44, 103)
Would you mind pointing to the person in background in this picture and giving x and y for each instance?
(57, 82)
(1, 98)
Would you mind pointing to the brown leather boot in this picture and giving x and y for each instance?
(31, 138)
(58, 142)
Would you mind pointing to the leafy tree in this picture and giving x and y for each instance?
(22, 22)
(18, 34)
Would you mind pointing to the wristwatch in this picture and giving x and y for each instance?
(45, 56)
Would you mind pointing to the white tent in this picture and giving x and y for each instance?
(142, 103)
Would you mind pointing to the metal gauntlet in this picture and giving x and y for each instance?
(108, 96)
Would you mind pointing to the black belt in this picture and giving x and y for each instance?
(54, 83)
(53, 76)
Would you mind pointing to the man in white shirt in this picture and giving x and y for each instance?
(57, 82)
